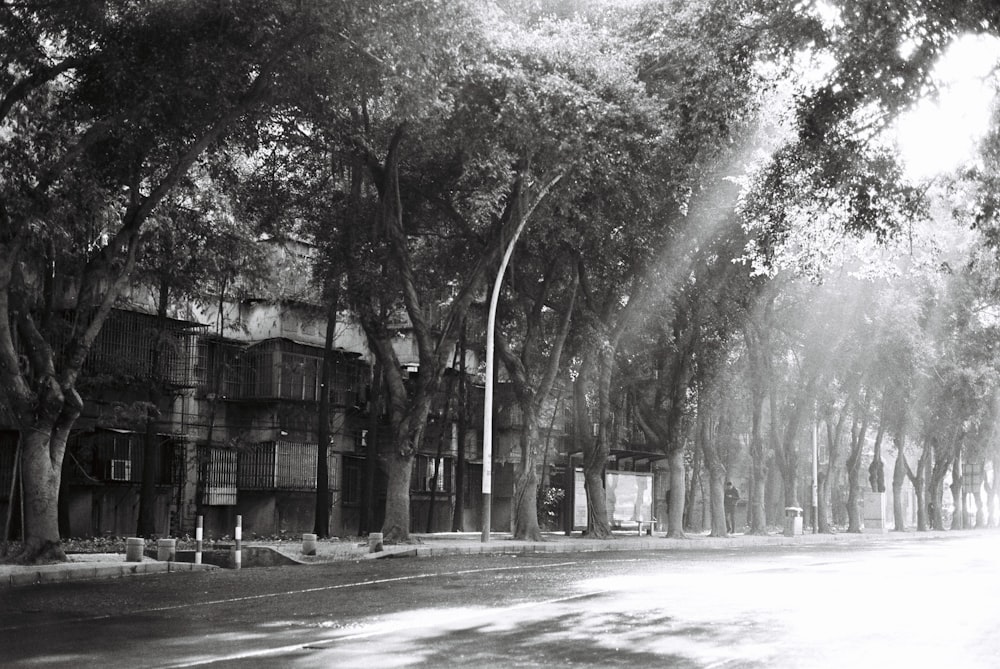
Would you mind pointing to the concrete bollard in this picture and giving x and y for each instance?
(166, 550)
(375, 542)
(133, 549)
(309, 544)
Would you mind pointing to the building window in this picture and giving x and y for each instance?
(218, 471)
(424, 478)
(300, 376)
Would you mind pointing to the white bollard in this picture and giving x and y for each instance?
(133, 549)
(166, 550)
(374, 542)
(309, 544)
(238, 549)
(198, 537)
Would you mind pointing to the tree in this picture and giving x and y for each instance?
(88, 159)
(532, 382)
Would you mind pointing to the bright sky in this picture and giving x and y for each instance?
(938, 135)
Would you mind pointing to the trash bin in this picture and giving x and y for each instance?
(793, 521)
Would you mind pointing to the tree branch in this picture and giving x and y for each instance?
(555, 355)
(22, 88)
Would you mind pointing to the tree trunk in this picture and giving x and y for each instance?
(594, 459)
(957, 498)
(921, 497)
(692, 488)
(525, 502)
(321, 517)
(396, 527)
(675, 504)
(716, 481)
(443, 434)
(408, 435)
(525, 511)
(978, 495)
(774, 508)
(898, 481)
(41, 466)
(146, 525)
(980, 512)
(756, 502)
(595, 450)
(854, 497)
(993, 493)
(827, 486)
(13, 525)
(367, 521)
(919, 481)
(936, 491)
(858, 432)
(458, 517)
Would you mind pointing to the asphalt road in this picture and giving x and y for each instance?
(932, 603)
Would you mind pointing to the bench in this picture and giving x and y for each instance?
(648, 524)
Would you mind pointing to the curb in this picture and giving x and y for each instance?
(57, 573)
(506, 546)
(449, 545)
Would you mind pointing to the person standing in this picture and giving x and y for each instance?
(732, 495)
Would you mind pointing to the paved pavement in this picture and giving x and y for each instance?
(113, 565)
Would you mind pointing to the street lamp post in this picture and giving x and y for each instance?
(491, 322)
(815, 476)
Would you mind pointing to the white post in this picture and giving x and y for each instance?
(815, 483)
(199, 532)
(238, 552)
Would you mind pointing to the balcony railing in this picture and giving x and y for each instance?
(133, 346)
(278, 369)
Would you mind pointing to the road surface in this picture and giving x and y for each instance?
(932, 603)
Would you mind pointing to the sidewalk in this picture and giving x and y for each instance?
(83, 566)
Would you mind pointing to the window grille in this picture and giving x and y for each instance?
(137, 346)
(113, 455)
(277, 369)
(219, 367)
(282, 465)
(359, 436)
(218, 475)
(119, 469)
(300, 376)
(423, 480)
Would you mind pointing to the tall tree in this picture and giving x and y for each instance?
(87, 159)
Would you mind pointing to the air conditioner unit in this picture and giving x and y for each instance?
(120, 470)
